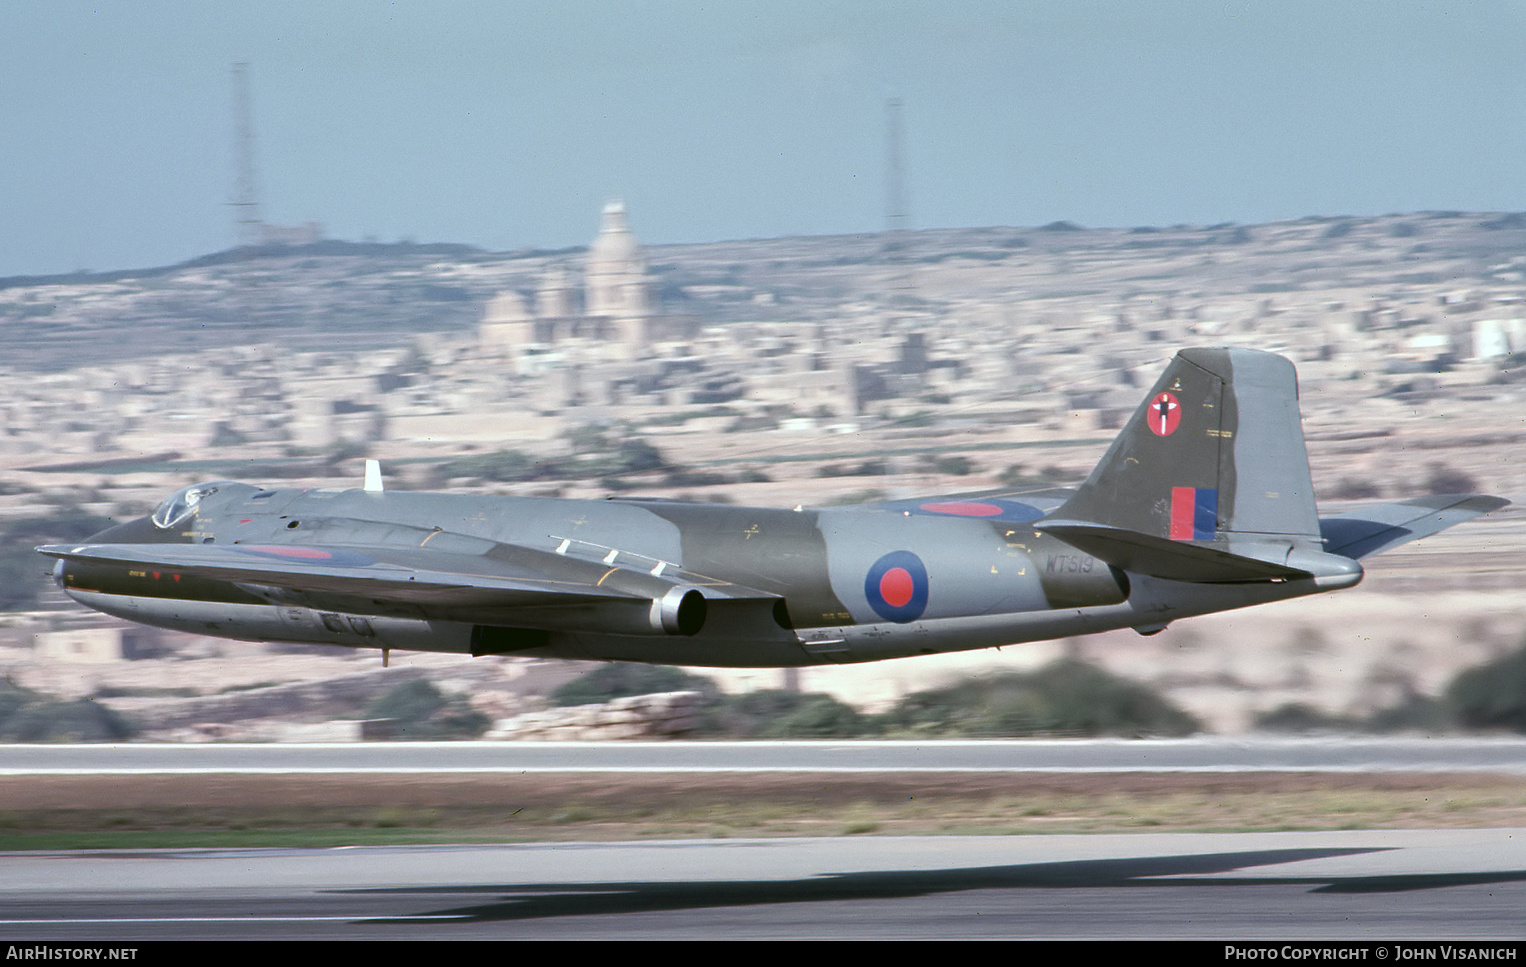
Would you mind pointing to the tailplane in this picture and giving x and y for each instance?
(1209, 480)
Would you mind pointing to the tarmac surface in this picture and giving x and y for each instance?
(1360, 885)
(1350, 885)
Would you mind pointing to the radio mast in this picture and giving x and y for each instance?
(245, 204)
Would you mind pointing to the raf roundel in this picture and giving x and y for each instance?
(896, 587)
(310, 555)
(1165, 413)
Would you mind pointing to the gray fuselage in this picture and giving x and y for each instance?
(775, 587)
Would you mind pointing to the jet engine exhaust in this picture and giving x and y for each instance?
(680, 612)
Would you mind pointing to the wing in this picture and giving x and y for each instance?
(1372, 528)
(499, 584)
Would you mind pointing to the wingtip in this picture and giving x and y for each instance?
(1477, 503)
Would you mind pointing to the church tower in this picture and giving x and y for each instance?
(616, 286)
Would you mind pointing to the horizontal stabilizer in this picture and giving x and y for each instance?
(1373, 528)
(1164, 558)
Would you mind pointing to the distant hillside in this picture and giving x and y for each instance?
(335, 294)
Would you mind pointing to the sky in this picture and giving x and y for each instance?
(509, 124)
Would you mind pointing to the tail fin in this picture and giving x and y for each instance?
(1209, 481)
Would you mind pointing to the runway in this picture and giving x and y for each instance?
(1505, 755)
(1357, 885)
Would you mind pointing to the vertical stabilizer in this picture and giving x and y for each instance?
(1211, 464)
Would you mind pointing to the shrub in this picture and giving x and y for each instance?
(779, 714)
(1491, 696)
(1300, 717)
(422, 711)
(81, 720)
(1442, 479)
(619, 679)
(1066, 697)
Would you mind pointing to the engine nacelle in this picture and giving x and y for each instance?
(679, 612)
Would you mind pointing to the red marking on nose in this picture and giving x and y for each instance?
(897, 587)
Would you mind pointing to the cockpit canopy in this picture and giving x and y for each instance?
(182, 503)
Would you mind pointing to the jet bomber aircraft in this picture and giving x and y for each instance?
(1203, 503)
